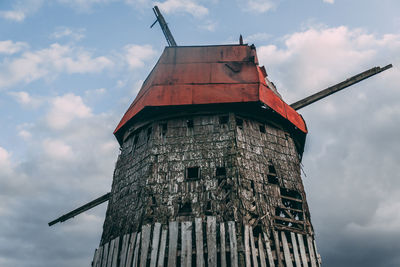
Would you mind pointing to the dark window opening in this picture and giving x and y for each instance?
(271, 169)
(257, 231)
(223, 119)
(262, 128)
(239, 123)
(272, 179)
(189, 123)
(149, 130)
(193, 173)
(164, 128)
(135, 140)
(290, 193)
(252, 186)
(186, 208)
(221, 171)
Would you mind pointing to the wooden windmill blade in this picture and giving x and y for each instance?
(337, 87)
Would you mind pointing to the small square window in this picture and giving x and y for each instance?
(221, 171)
(262, 128)
(193, 173)
(189, 123)
(239, 123)
(223, 119)
(164, 128)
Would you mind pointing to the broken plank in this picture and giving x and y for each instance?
(261, 251)
(146, 231)
(295, 249)
(173, 242)
(186, 248)
(302, 250)
(163, 242)
(96, 254)
(286, 251)
(222, 242)
(253, 247)
(97, 263)
(311, 251)
(136, 253)
(277, 248)
(130, 249)
(154, 244)
(233, 244)
(269, 251)
(199, 242)
(211, 241)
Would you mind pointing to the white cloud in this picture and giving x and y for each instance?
(187, 6)
(65, 32)
(33, 65)
(9, 47)
(57, 149)
(136, 55)
(24, 134)
(25, 99)
(258, 6)
(329, 1)
(21, 9)
(5, 163)
(84, 5)
(66, 108)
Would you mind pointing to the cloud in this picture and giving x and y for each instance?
(186, 6)
(21, 9)
(258, 6)
(84, 5)
(9, 47)
(65, 32)
(25, 99)
(329, 1)
(33, 65)
(66, 108)
(136, 55)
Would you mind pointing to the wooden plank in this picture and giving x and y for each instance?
(211, 241)
(136, 253)
(222, 242)
(95, 256)
(302, 250)
(186, 248)
(110, 253)
(247, 246)
(154, 244)
(311, 251)
(269, 251)
(286, 251)
(295, 249)
(129, 251)
(124, 249)
(105, 254)
(253, 247)
(163, 242)
(116, 253)
(146, 231)
(263, 263)
(277, 248)
(319, 261)
(199, 242)
(173, 242)
(98, 262)
(233, 244)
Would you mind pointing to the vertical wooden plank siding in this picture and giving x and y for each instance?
(173, 242)
(269, 251)
(302, 250)
(295, 249)
(105, 254)
(110, 253)
(96, 253)
(163, 242)
(233, 244)
(317, 254)
(129, 253)
(277, 248)
(311, 251)
(186, 248)
(286, 251)
(247, 246)
(253, 247)
(154, 244)
(199, 242)
(222, 242)
(146, 231)
(116, 253)
(261, 251)
(99, 255)
(124, 248)
(136, 253)
(211, 241)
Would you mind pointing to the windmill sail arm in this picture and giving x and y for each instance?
(81, 209)
(337, 87)
(164, 27)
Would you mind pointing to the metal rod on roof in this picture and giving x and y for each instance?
(337, 87)
(164, 27)
(81, 209)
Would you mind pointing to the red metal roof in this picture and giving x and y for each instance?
(208, 75)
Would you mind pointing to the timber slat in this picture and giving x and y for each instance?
(302, 250)
(154, 244)
(261, 252)
(295, 249)
(277, 248)
(97, 263)
(173, 242)
(222, 242)
(130, 249)
(247, 246)
(124, 248)
(186, 248)
(136, 253)
(163, 242)
(146, 231)
(211, 241)
(269, 251)
(311, 251)
(110, 253)
(286, 251)
(233, 244)
(116, 253)
(105, 254)
(95, 256)
(317, 254)
(199, 242)
(253, 247)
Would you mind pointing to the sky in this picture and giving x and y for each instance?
(70, 68)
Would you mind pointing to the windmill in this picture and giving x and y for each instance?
(209, 169)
